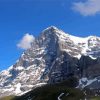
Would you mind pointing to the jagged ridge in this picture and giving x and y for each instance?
(53, 57)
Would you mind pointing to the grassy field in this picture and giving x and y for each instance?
(8, 98)
(96, 98)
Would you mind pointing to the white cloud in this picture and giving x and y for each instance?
(25, 42)
(87, 8)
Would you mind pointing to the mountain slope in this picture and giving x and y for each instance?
(53, 57)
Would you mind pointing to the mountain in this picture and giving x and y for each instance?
(53, 57)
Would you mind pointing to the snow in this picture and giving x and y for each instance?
(78, 56)
(83, 82)
(4, 72)
(8, 89)
(40, 84)
(17, 91)
(59, 97)
(82, 42)
(92, 57)
(50, 28)
(11, 67)
(78, 39)
(21, 93)
(19, 68)
(84, 79)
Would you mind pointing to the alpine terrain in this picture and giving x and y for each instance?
(54, 57)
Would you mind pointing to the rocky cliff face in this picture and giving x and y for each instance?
(53, 57)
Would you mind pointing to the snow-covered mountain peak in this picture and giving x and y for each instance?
(63, 35)
(50, 28)
(49, 53)
(54, 30)
(69, 43)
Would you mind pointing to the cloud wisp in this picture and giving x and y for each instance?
(87, 8)
(25, 42)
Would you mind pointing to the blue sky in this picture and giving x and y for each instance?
(18, 17)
